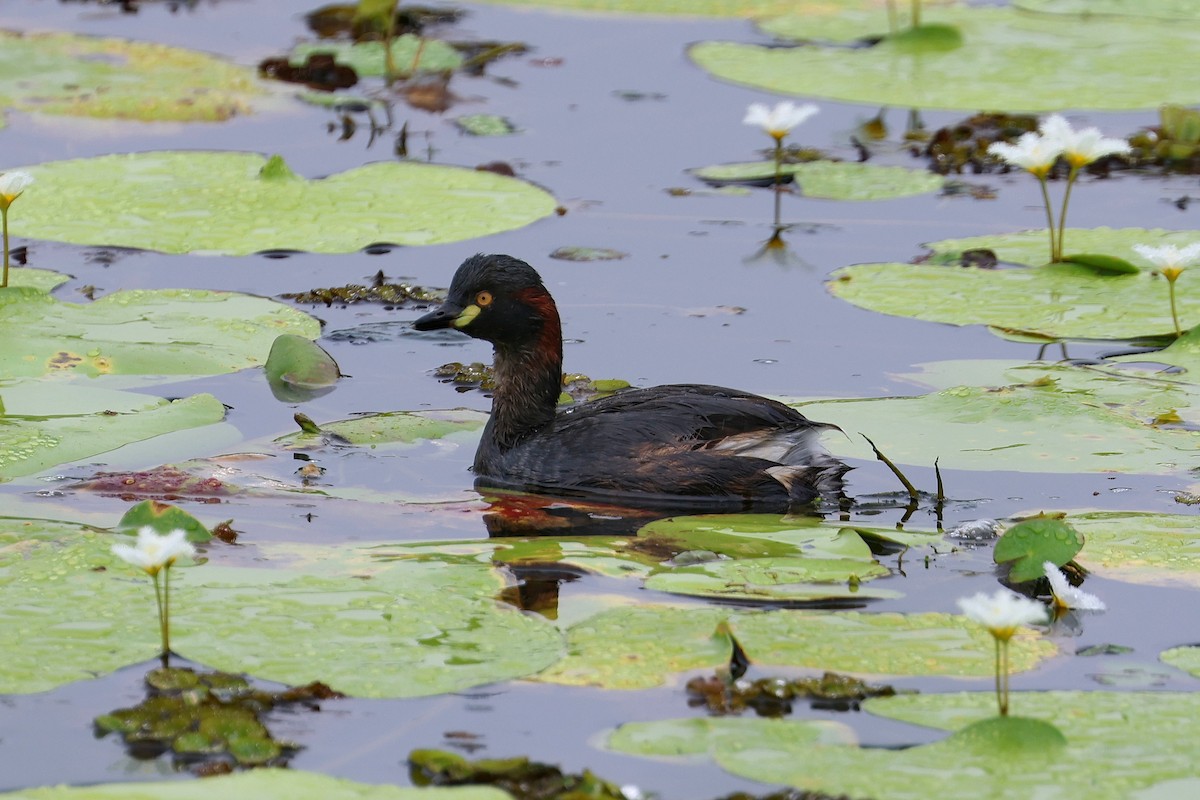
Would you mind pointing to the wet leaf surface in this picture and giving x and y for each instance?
(830, 180)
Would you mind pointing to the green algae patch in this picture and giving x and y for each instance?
(47, 423)
(639, 648)
(740, 9)
(1039, 418)
(1059, 743)
(831, 180)
(1008, 60)
(141, 331)
(1140, 547)
(64, 74)
(1050, 300)
(73, 610)
(224, 203)
(260, 784)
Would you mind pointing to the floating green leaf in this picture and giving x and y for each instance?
(140, 331)
(697, 8)
(1141, 548)
(1105, 265)
(1114, 739)
(186, 202)
(1009, 60)
(1040, 418)
(1056, 300)
(1186, 658)
(831, 180)
(58, 73)
(1183, 10)
(260, 784)
(636, 648)
(367, 58)
(44, 425)
(485, 125)
(393, 427)
(73, 610)
(163, 518)
(1028, 545)
(297, 368)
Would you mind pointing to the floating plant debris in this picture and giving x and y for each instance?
(773, 696)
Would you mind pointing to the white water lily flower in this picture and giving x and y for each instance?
(1067, 596)
(1003, 612)
(780, 120)
(153, 552)
(1169, 259)
(1081, 148)
(12, 184)
(1032, 152)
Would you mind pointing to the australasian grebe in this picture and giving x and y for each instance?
(684, 445)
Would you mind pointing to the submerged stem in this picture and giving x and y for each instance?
(1049, 218)
(1062, 217)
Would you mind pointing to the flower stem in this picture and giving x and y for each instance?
(160, 600)
(999, 683)
(778, 185)
(1049, 218)
(916, 13)
(1004, 673)
(4, 215)
(1170, 291)
(1062, 217)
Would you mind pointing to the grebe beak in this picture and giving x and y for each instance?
(447, 316)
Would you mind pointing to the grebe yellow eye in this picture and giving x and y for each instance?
(483, 299)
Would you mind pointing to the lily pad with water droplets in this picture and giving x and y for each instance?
(1029, 544)
(47, 423)
(1009, 60)
(73, 610)
(65, 74)
(140, 331)
(641, 647)
(1052, 300)
(209, 202)
(831, 180)
(1038, 418)
(1141, 547)
(1110, 744)
(258, 784)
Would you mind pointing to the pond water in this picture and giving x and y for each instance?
(610, 114)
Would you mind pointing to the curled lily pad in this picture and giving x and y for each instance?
(1056, 300)
(831, 180)
(1015, 60)
(44, 426)
(163, 518)
(298, 369)
(1028, 545)
(58, 73)
(1113, 737)
(188, 202)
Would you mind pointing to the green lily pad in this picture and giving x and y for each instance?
(696, 8)
(202, 202)
(1028, 545)
(1156, 9)
(639, 647)
(259, 784)
(1009, 60)
(140, 331)
(45, 424)
(163, 518)
(1055, 300)
(1114, 739)
(1184, 353)
(58, 73)
(832, 180)
(367, 58)
(775, 579)
(1043, 418)
(1141, 548)
(392, 427)
(485, 125)
(73, 610)
(1186, 658)
(298, 368)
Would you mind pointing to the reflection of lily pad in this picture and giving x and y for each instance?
(140, 331)
(1044, 418)
(259, 784)
(1055, 300)
(1010, 60)
(48, 423)
(832, 180)
(415, 627)
(634, 648)
(1113, 739)
(186, 202)
(58, 73)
